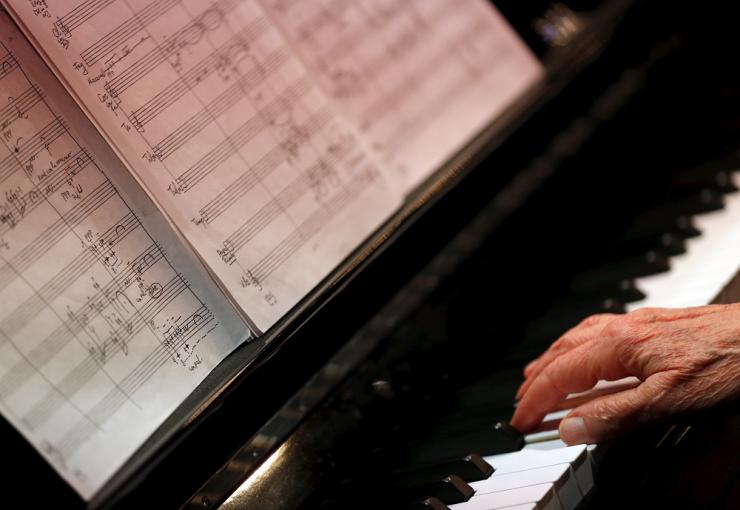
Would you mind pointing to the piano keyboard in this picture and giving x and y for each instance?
(546, 473)
(710, 261)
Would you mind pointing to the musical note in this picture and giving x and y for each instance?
(87, 285)
(216, 112)
(277, 136)
(418, 78)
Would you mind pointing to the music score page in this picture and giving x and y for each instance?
(224, 126)
(417, 78)
(107, 322)
(278, 135)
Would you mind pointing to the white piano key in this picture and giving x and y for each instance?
(543, 495)
(603, 387)
(696, 276)
(528, 459)
(694, 279)
(555, 415)
(531, 458)
(583, 466)
(560, 475)
(548, 430)
(552, 444)
(710, 261)
(542, 436)
(547, 436)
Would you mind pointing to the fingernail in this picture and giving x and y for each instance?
(573, 431)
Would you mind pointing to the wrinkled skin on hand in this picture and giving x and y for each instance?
(687, 359)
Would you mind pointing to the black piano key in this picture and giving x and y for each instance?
(428, 504)
(470, 468)
(707, 200)
(716, 176)
(726, 184)
(703, 201)
(668, 243)
(547, 328)
(489, 440)
(541, 332)
(670, 215)
(723, 182)
(460, 418)
(627, 291)
(467, 417)
(605, 276)
(449, 490)
(486, 401)
(493, 392)
(653, 224)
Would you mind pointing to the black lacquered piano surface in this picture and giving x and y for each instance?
(407, 374)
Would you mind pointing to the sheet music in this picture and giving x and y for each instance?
(211, 108)
(418, 77)
(107, 323)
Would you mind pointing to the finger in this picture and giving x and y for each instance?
(601, 389)
(530, 367)
(613, 415)
(575, 336)
(577, 370)
(586, 331)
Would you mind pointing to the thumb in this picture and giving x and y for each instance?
(607, 417)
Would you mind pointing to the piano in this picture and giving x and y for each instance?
(611, 186)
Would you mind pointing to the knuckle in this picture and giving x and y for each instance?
(610, 409)
(645, 315)
(556, 374)
(663, 393)
(620, 327)
(557, 365)
(550, 379)
(630, 345)
(674, 379)
(628, 352)
(668, 383)
(593, 320)
(561, 344)
(698, 362)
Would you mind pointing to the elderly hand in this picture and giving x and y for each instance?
(687, 359)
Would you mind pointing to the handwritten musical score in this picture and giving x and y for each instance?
(274, 136)
(229, 132)
(106, 324)
(418, 78)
